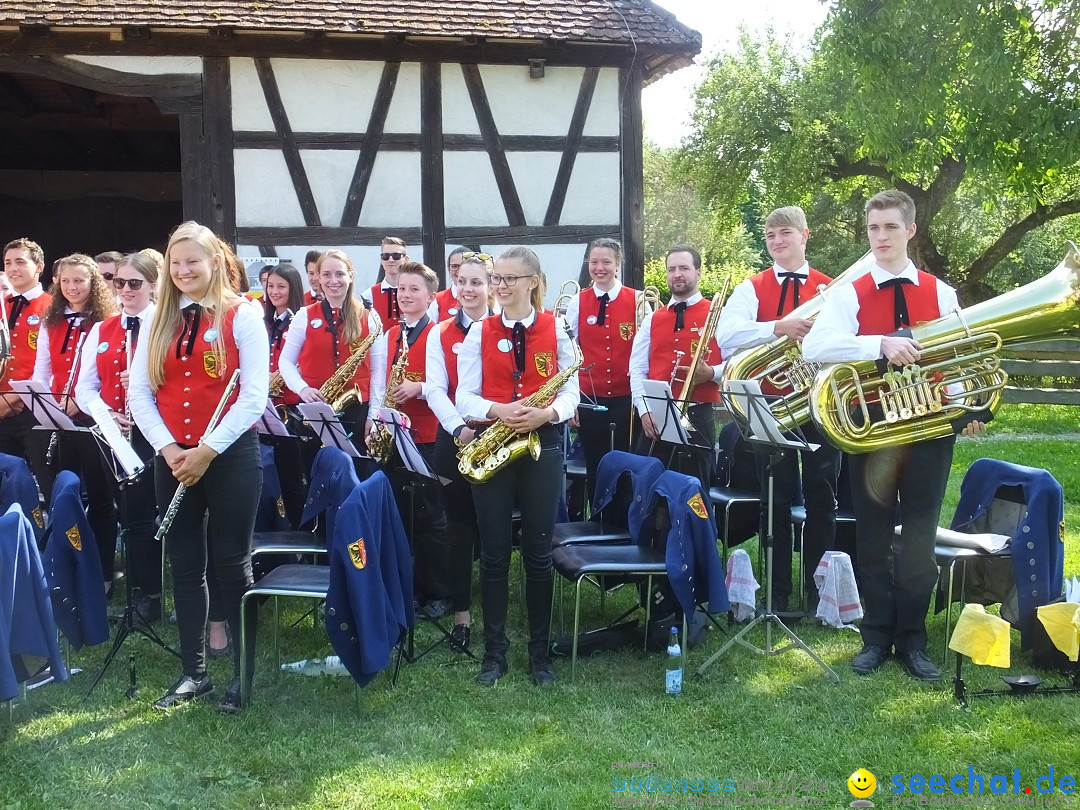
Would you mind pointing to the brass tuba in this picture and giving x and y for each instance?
(958, 373)
(567, 292)
(648, 299)
(336, 390)
(779, 364)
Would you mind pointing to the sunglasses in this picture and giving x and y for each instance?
(108, 276)
(134, 283)
(484, 257)
(388, 256)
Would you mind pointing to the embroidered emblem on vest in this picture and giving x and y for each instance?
(626, 331)
(545, 363)
(214, 364)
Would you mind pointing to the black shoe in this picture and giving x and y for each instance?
(493, 668)
(148, 609)
(231, 702)
(435, 609)
(918, 666)
(459, 637)
(184, 690)
(542, 673)
(869, 659)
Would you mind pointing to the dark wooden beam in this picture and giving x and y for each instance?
(22, 102)
(432, 200)
(570, 149)
(632, 213)
(404, 142)
(498, 234)
(195, 178)
(370, 145)
(83, 100)
(218, 135)
(504, 178)
(289, 150)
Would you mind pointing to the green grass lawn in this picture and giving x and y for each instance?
(437, 740)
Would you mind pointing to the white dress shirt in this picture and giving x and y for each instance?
(738, 327)
(639, 356)
(294, 342)
(249, 332)
(470, 403)
(438, 381)
(88, 388)
(834, 337)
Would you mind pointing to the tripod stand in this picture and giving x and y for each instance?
(761, 428)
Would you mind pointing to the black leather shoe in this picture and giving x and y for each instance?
(149, 609)
(459, 637)
(542, 673)
(231, 702)
(869, 659)
(493, 668)
(184, 690)
(918, 666)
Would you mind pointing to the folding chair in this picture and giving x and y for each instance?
(738, 495)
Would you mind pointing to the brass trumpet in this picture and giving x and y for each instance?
(958, 372)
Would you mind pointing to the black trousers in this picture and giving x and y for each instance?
(534, 486)
(137, 509)
(214, 522)
(420, 502)
(464, 533)
(18, 438)
(80, 453)
(820, 469)
(597, 433)
(897, 574)
(697, 462)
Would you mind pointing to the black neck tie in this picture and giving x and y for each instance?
(519, 349)
(680, 310)
(601, 316)
(793, 280)
(192, 320)
(15, 308)
(72, 330)
(131, 324)
(900, 310)
(277, 334)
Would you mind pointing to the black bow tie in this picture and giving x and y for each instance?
(131, 324)
(680, 310)
(601, 316)
(900, 309)
(277, 332)
(72, 329)
(790, 279)
(15, 308)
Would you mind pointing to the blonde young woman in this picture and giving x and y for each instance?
(201, 333)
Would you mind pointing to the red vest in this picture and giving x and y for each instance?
(451, 339)
(424, 423)
(448, 304)
(309, 298)
(194, 384)
(876, 307)
(541, 358)
(24, 338)
(607, 347)
(111, 360)
(288, 397)
(316, 359)
(664, 341)
(768, 290)
(60, 361)
(384, 302)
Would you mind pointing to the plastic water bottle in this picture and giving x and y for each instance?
(330, 665)
(673, 681)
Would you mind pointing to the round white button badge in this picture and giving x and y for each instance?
(505, 345)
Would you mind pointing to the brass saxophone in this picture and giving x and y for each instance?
(336, 390)
(277, 385)
(381, 442)
(500, 444)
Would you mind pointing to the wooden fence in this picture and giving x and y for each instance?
(1031, 366)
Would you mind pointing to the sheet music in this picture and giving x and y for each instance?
(763, 424)
(42, 404)
(665, 413)
(407, 450)
(121, 447)
(331, 432)
(270, 423)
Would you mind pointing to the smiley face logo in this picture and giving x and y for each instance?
(862, 785)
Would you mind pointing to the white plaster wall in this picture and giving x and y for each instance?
(145, 65)
(249, 111)
(264, 190)
(327, 96)
(457, 110)
(592, 196)
(471, 194)
(534, 178)
(603, 118)
(524, 106)
(329, 172)
(404, 112)
(393, 194)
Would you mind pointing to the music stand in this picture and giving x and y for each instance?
(126, 467)
(321, 417)
(42, 404)
(752, 412)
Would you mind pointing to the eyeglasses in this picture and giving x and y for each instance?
(388, 256)
(134, 283)
(108, 276)
(484, 257)
(509, 280)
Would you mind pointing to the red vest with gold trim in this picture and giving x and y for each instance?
(111, 360)
(288, 397)
(664, 342)
(194, 384)
(541, 358)
(316, 359)
(451, 338)
(768, 290)
(24, 337)
(876, 306)
(60, 361)
(424, 423)
(607, 347)
(448, 304)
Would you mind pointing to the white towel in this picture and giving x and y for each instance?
(838, 595)
(741, 585)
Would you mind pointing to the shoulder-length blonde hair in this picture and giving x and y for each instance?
(353, 310)
(218, 301)
(101, 303)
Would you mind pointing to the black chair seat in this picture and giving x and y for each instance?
(575, 469)
(287, 543)
(293, 580)
(578, 560)
(589, 532)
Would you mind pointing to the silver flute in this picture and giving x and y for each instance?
(181, 490)
(65, 398)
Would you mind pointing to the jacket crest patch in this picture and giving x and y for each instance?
(698, 506)
(358, 554)
(74, 538)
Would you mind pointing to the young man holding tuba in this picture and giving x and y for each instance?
(862, 321)
(759, 311)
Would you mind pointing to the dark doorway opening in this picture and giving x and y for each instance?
(85, 171)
